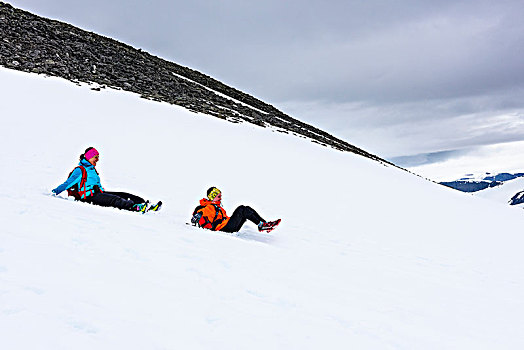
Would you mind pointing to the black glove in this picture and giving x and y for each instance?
(196, 218)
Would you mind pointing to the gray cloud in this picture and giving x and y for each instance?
(334, 50)
(402, 129)
(426, 158)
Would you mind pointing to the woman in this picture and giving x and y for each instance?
(84, 184)
(210, 214)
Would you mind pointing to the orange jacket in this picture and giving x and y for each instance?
(213, 215)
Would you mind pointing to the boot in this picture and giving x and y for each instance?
(268, 226)
(156, 207)
(142, 207)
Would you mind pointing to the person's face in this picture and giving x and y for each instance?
(94, 160)
(218, 198)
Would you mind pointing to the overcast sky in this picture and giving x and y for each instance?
(397, 78)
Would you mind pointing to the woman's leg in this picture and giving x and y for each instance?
(239, 217)
(128, 196)
(105, 199)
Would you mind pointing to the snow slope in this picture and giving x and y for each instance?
(425, 268)
(503, 193)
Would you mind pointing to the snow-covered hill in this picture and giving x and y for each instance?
(503, 193)
(424, 267)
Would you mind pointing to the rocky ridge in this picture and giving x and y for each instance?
(35, 44)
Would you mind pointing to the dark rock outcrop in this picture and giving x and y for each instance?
(471, 186)
(517, 198)
(35, 44)
(503, 177)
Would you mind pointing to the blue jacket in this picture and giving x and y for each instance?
(92, 179)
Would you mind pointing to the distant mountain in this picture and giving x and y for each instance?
(511, 193)
(504, 188)
(474, 183)
(503, 177)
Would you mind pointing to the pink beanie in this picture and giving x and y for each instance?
(91, 153)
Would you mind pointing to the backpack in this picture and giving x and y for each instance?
(78, 190)
(205, 222)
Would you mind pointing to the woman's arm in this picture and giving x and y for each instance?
(75, 178)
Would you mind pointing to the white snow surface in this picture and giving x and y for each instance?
(366, 256)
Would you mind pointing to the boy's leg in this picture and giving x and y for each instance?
(239, 217)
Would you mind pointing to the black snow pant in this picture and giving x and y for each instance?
(120, 200)
(239, 217)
